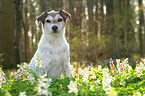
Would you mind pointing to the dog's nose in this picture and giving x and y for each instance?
(54, 28)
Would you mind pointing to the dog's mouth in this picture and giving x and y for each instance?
(55, 31)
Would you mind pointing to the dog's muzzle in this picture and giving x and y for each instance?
(54, 28)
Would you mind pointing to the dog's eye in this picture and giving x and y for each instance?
(48, 21)
(59, 20)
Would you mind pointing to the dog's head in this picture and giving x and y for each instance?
(54, 21)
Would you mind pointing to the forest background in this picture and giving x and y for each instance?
(99, 29)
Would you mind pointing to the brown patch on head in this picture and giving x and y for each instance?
(42, 17)
(65, 15)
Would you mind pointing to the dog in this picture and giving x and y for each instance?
(53, 47)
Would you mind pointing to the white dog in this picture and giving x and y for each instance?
(53, 47)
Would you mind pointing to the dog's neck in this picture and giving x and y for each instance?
(53, 38)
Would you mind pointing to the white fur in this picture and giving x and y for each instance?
(53, 49)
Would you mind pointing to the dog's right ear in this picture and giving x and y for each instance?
(65, 15)
(42, 17)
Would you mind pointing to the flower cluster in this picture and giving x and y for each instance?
(106, 80)
(112, 66)
(119, 66)
(139, 69)
(41, 69)
(99, 67)
(22, 93)
(87, 73)
(2, 77)
(72, 87)
(31, 78)
(24, 70)
(123, 67)
(83, 81)
(73, 71)
(43, 85)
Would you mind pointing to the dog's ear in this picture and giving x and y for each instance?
(42, 17)
(65, 15)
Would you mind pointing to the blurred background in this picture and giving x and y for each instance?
(99, 29)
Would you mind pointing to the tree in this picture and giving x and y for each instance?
(7, 24)
(109, 24)
(18, 13)
(42, 5)
(25, 25)
(141, 20)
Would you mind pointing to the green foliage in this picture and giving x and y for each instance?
(22, 85)
(1, 59)
(86, 81)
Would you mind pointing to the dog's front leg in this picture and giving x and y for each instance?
(66, 70)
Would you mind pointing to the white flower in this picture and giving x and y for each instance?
(106, 80)
(98, 81)
(124, 65)
(91, 87)
(85, 73)
(41, 69)
(23, 68)
(22, 93)
(2, 78)
(80, 70)
(93, 76)
(72, 70)
(99, 67)
(85, 77)
(119, 67)
(31, 78)
(72, 87)
(139, 68)
(137, 94)
(92, 73)
(122, 82)
(43, 85)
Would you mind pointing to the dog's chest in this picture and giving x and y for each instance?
(53, 54)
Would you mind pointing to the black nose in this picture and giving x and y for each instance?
(54, 28)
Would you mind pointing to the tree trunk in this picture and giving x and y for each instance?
(25, 26)
(141, 20)
(109, 25)
(117, 29)
(42, 4)
(55, 4)
(7, 23)
(18, 5)
(109, 15)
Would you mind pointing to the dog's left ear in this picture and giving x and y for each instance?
(42, 17)
(65, 15)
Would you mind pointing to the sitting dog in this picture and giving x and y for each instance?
(53, 47)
